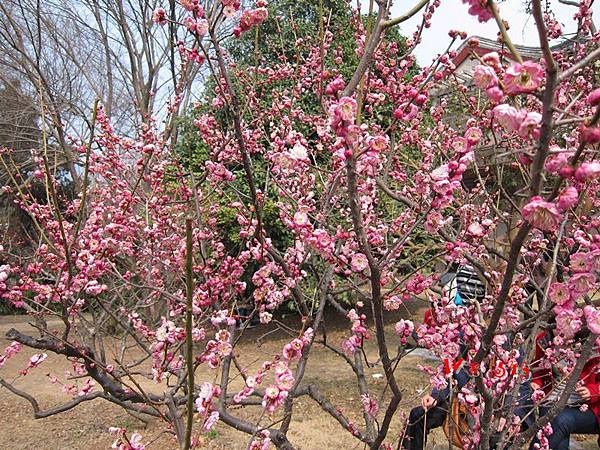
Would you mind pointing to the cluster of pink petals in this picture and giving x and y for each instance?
(273, 398)
(293, 350)
(335, 86)
(567, 198)
(592, 318)
(480, 9)
(587, 171)
(217, 349)
(341, 116)
(9, 352)
(542, 214)
(359, 262)
(559, 161)
(526, 123)
(251, 18)
(359, 331)
(159, 16)
(404, 329)
(199, 27)
(262, 442)
(523, 78)
(593, 98)
(485, 77)
(369, 405)
(230, 7)
(590, 135)
(204, 405)
(392, 303)
(122, 442)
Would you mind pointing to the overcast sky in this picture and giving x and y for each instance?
(452, 14)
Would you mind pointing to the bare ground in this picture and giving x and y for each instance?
(86, 426)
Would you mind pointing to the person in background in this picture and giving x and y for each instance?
(462, 285)
(573, 419)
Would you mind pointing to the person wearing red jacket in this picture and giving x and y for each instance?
(573, 419)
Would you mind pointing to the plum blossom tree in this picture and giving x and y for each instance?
(136, 261)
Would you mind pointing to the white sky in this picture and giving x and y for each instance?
(452, 14)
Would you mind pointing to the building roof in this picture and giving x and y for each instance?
(485, 45)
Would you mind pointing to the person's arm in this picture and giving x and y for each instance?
(462, 378)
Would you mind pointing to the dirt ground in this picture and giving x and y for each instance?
(86, 426)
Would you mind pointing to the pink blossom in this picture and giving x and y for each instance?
(523, 78)
(378, 143)
(587, 171)
(542, 214)
(567, 323)
(441, 173)
(495, 94)
(590, 135)
(346, 109)
(594, 98)
(473, 135)
(36, 360)
(484, 77)
(359, 262)
(273, 398)
(556, 162)
(335, 86)
(579, 262)
(159, 16)
(392, 303)
(592, 318)
(480, 9)
(559, 293)
(530, 125)
(301, 219)
(87, 388)
(369, 405)
(508, 116)
(210, 421)
(491, 59)
(299, 152)
(581, 283)
(293, 350)
(475, 229)
(350, 345)
(404, 329)
(593, 258)
(567, 198)
(406, 112)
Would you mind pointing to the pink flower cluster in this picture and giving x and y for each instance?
(33, 362)
(9, 352)
(335, 86)
(262, 442)
(359, 331)
(217, 349)
(251, 18)
(369, 405)
(480, 9)
(204, 405)
(526, 123)
(542, 214)
(159, 16)
(523, 78)
(404, 328)
(122, 442)
(342, 114)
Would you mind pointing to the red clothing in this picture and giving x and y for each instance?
(590, 376)
(428, 319)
